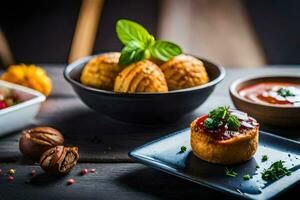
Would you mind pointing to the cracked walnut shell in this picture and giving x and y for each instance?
(143, 76)
(184, 71)
(59, 159)
(101, 71)
(34, 142)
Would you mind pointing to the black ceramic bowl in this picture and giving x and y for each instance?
(143, 107)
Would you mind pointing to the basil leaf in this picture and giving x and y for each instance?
(131, 53)
(128, 31)
(164, 50)
(128, 57)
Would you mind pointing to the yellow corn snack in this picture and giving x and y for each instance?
(184, 71)
(30, 76)
(143, 76)
(101, 71)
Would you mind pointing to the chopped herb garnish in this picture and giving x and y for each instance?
(246, 177)
(257, 166)
(220, 113)
(211, 123)
(264, 158)
(233, 122)
(230, 172)
(285, 92)
(221, 116)
(275, 171)
(182, 150)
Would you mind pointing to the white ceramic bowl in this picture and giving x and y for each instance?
(18, 116)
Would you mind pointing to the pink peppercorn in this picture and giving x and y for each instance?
(10, 178)
(83, 171)
(33, 172)
(92, 170)
(70, 181)
(2, 105)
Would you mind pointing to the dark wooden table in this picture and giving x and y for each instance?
(104, 144)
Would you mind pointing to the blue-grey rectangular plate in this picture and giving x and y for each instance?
(162, 154)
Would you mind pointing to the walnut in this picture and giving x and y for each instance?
(34, 142)
(59, 159)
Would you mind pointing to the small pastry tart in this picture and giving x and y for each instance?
(228, 140)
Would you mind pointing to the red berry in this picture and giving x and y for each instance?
(10, 178)
(2, 105)
(84, 171)
(92, 170)
(33, 172)
(71, 181)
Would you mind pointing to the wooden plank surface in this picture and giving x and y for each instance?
(110, 181)
(102, 139)
(107, 141)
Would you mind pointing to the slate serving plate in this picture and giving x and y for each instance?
(162, 154)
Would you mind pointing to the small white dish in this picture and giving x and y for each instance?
(18, 116)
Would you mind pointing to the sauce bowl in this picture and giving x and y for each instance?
(143, 108)
(277, 115)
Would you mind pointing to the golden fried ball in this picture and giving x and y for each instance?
(143, 76)
(184, 71)
(101, 71)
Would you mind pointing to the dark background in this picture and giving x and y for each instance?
(42, 31)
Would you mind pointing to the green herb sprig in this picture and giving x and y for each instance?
(230, 172)
(211, 123)
(246, 177)
(285, 92)
(264, 158)
(220, 113)
(233, 123)
(219, 117)
(140, 44)
(182, 150)
(275, 171)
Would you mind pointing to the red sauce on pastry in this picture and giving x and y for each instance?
(222, 132)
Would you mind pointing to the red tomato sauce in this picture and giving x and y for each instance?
(270, 93)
